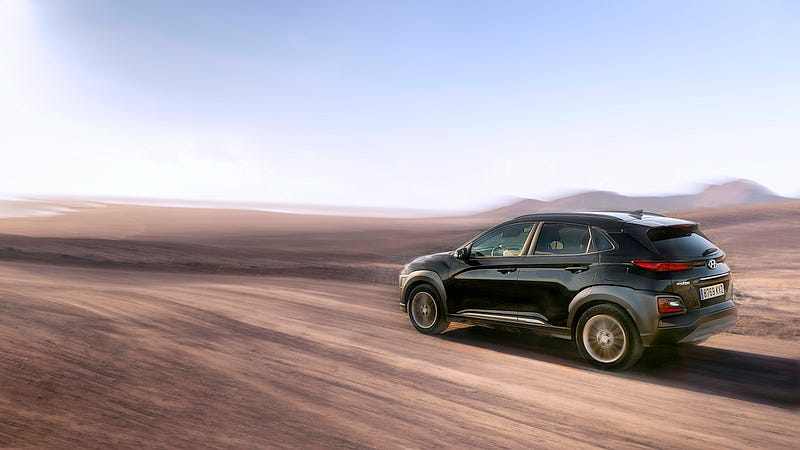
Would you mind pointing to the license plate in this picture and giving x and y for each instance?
(712, 291)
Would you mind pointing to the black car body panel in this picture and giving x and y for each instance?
(543, 271)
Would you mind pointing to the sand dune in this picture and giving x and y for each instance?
(761, 242)
(126, 326)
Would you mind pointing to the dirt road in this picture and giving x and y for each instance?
(100, 358)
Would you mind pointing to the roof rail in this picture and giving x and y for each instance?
(638, 213)
(599, 213)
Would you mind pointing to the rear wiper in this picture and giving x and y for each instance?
(710, 251)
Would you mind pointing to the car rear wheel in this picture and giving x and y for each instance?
(425, 310)
(607, 338)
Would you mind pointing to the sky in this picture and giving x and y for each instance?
(413, 104)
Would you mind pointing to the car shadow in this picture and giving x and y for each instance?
(744, 376)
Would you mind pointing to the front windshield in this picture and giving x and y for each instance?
(508, 240)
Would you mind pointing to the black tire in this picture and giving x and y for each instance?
(425, 310)
(607, 338)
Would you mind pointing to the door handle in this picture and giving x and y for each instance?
(577, 269)
(505, 271)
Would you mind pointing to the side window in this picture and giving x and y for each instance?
(600, 242)
(504, 241)
(562, 239)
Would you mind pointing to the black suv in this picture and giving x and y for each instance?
(615, 282)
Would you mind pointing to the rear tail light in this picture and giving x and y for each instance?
(662, 266)
(668, 305)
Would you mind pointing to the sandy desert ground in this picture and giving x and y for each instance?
(132, 326)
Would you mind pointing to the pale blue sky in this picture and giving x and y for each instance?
(396, 104)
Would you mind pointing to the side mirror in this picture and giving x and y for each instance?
(463, 253)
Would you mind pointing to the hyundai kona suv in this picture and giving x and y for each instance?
(614, 282)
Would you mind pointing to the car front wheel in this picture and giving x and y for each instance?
(425, 310)
(607, 338)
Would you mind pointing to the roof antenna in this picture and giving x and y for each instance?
(637, 213)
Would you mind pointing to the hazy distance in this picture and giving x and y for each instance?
(445, 106)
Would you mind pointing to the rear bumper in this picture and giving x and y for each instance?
(695, 325)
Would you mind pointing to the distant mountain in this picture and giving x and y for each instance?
(739, 192)
(734, 193)
(514, 209)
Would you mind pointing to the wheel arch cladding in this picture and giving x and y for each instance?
(639, 305)
(420, 277)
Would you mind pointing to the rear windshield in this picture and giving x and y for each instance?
(686, 242)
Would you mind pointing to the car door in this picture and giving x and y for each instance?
(559, 264)
(485, 286)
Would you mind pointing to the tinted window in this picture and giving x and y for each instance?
(686, 242)
(600, 242)
(627, 245)
(562, 239)
(504, 241)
